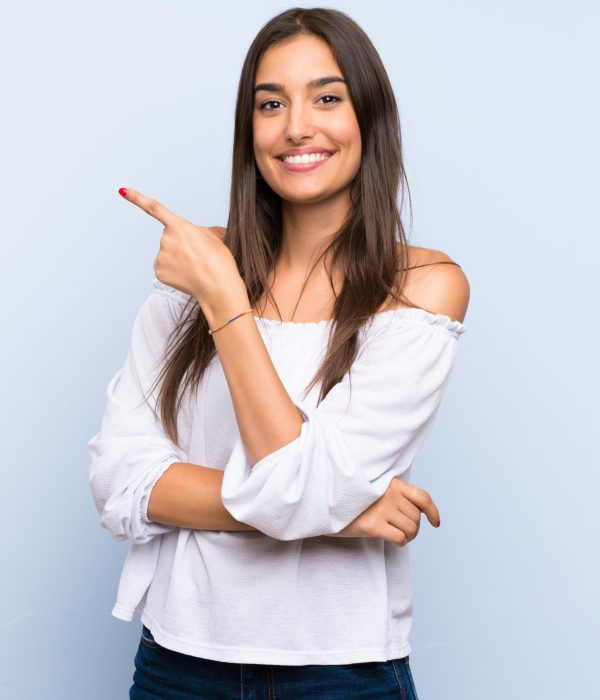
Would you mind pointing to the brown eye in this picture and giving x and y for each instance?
(335, 99)
(263, 105)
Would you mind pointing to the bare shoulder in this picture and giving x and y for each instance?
(440, 289)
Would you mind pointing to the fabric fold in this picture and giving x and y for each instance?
(131, 451)
(365, 432)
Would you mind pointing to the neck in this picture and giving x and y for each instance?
(308, 228)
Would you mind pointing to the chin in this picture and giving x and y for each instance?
(303, 194)
(305, 197)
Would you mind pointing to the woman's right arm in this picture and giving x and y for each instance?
(189, 496)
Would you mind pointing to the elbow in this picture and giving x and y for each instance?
(120, 489)
(117, 513)
(117, 535)
(115, 519)
(98, 491)
(122, 534)
(123, 527)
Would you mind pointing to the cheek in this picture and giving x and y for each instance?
(356, 138)
(346, 131)
(356, 150)
(257, 141)
(262, 140)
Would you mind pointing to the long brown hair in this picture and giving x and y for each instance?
(370, 247)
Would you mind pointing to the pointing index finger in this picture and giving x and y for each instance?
(151, 206)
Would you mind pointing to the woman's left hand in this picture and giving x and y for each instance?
(191, 258)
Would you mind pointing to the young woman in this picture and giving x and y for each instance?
(301, 355)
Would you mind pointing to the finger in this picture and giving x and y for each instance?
(394, 535)
(397, 494)
(407, 525)
(423, 501)
(151, 206)
(409, 509)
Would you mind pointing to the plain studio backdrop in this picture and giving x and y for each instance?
(500, 113)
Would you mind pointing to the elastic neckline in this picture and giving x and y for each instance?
(410, 313)
(407, 313)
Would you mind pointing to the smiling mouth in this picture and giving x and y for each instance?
(305, 158)
(304, 162)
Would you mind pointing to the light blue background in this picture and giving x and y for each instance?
(500, 114)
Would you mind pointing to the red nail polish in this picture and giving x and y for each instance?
(123, 192)
(439, 522)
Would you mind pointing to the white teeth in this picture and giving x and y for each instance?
(306, 158)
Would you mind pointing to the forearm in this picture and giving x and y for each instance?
(266, 415)
(189, 496)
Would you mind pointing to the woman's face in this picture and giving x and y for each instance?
(292, 116)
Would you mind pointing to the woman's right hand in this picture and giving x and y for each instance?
(395, 516)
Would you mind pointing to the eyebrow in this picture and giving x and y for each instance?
(311, 85)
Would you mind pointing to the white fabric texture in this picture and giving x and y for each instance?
(287, 594)
(131, 451)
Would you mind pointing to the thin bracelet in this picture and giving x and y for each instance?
(214, 330)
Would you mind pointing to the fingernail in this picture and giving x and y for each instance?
(123, 192)
(439, 522)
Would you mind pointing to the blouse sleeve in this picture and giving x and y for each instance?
(132, 451)
(365, 432)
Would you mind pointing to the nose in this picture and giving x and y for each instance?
(298, 124)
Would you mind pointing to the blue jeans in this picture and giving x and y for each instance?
(163, 674)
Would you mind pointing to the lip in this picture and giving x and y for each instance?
(304, 167)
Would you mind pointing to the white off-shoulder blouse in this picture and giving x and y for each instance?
(286, 594)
